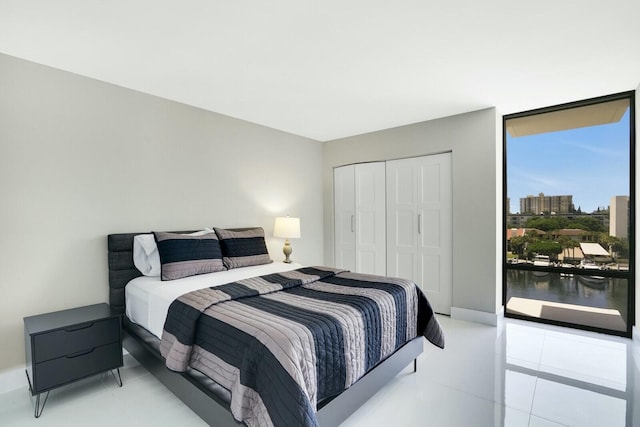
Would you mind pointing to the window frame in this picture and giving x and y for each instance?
(630, 275)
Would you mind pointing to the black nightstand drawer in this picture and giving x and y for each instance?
(53, 373)
(64, 342)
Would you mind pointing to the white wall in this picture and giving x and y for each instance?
(474, 140)
(81, 159)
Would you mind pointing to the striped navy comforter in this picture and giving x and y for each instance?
(282, 342)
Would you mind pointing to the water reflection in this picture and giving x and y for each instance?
(580, 379)
(587, 291)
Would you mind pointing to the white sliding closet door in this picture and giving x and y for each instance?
(371, 250)
(360, 222)
(419, 225)
(344, 193)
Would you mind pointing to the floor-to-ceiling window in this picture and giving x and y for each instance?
(569, 214)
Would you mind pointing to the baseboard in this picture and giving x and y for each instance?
(13, 379)
(492, 319)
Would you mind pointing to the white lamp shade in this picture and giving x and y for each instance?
(287, 227)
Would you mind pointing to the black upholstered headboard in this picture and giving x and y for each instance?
(121, 267)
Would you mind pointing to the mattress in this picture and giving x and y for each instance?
(148, 298)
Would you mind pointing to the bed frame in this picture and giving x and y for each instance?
(206, 398)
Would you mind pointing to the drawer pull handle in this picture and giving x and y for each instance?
(80, 353)
(80, 328)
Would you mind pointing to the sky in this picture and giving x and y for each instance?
(591, 163)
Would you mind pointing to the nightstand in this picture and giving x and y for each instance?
(69, 345)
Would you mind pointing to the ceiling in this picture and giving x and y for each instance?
(330, 69)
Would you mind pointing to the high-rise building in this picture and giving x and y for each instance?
(546, 204)
(619, 216)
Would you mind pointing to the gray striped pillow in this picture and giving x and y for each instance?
(243, 248)
(184, 255)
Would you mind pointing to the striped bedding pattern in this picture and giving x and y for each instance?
(282, 342)
(184, 255)
(243, 248)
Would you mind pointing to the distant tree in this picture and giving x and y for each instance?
(547, 223)
(614, 244)
(543, 247)
(623, 248)
(587, 223)
(518, 244)
(532, 235)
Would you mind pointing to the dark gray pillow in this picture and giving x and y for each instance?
(184, 255)
(243, 248)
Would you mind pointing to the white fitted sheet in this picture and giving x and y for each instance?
(148, 298)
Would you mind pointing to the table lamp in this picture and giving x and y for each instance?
(287, 228)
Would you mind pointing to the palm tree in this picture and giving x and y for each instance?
(573, 245)
(565, 243)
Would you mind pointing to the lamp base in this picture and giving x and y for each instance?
(287, 251)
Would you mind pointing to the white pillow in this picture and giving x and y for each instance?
(145, 252)
(145, 255)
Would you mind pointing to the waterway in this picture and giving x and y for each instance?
(611, 293)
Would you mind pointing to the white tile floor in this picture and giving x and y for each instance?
(519, 374)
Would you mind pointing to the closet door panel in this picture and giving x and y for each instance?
(429, 180)
(402, 225)
(366, 231)
(404, 264)
(429, 235)
(366, 261)
(429, 274)
(403, 182)
(371, 245)
(344, 217)
(435, 250)
(404, 232)
(402, 237)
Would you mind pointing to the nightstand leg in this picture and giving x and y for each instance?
(29, 381)
(118, 378)
(38, 411)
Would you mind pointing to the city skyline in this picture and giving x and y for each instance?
(591, 164)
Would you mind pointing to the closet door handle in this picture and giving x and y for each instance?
(353, 223)
(419, 223)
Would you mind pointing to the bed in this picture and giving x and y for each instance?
(211, 401)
